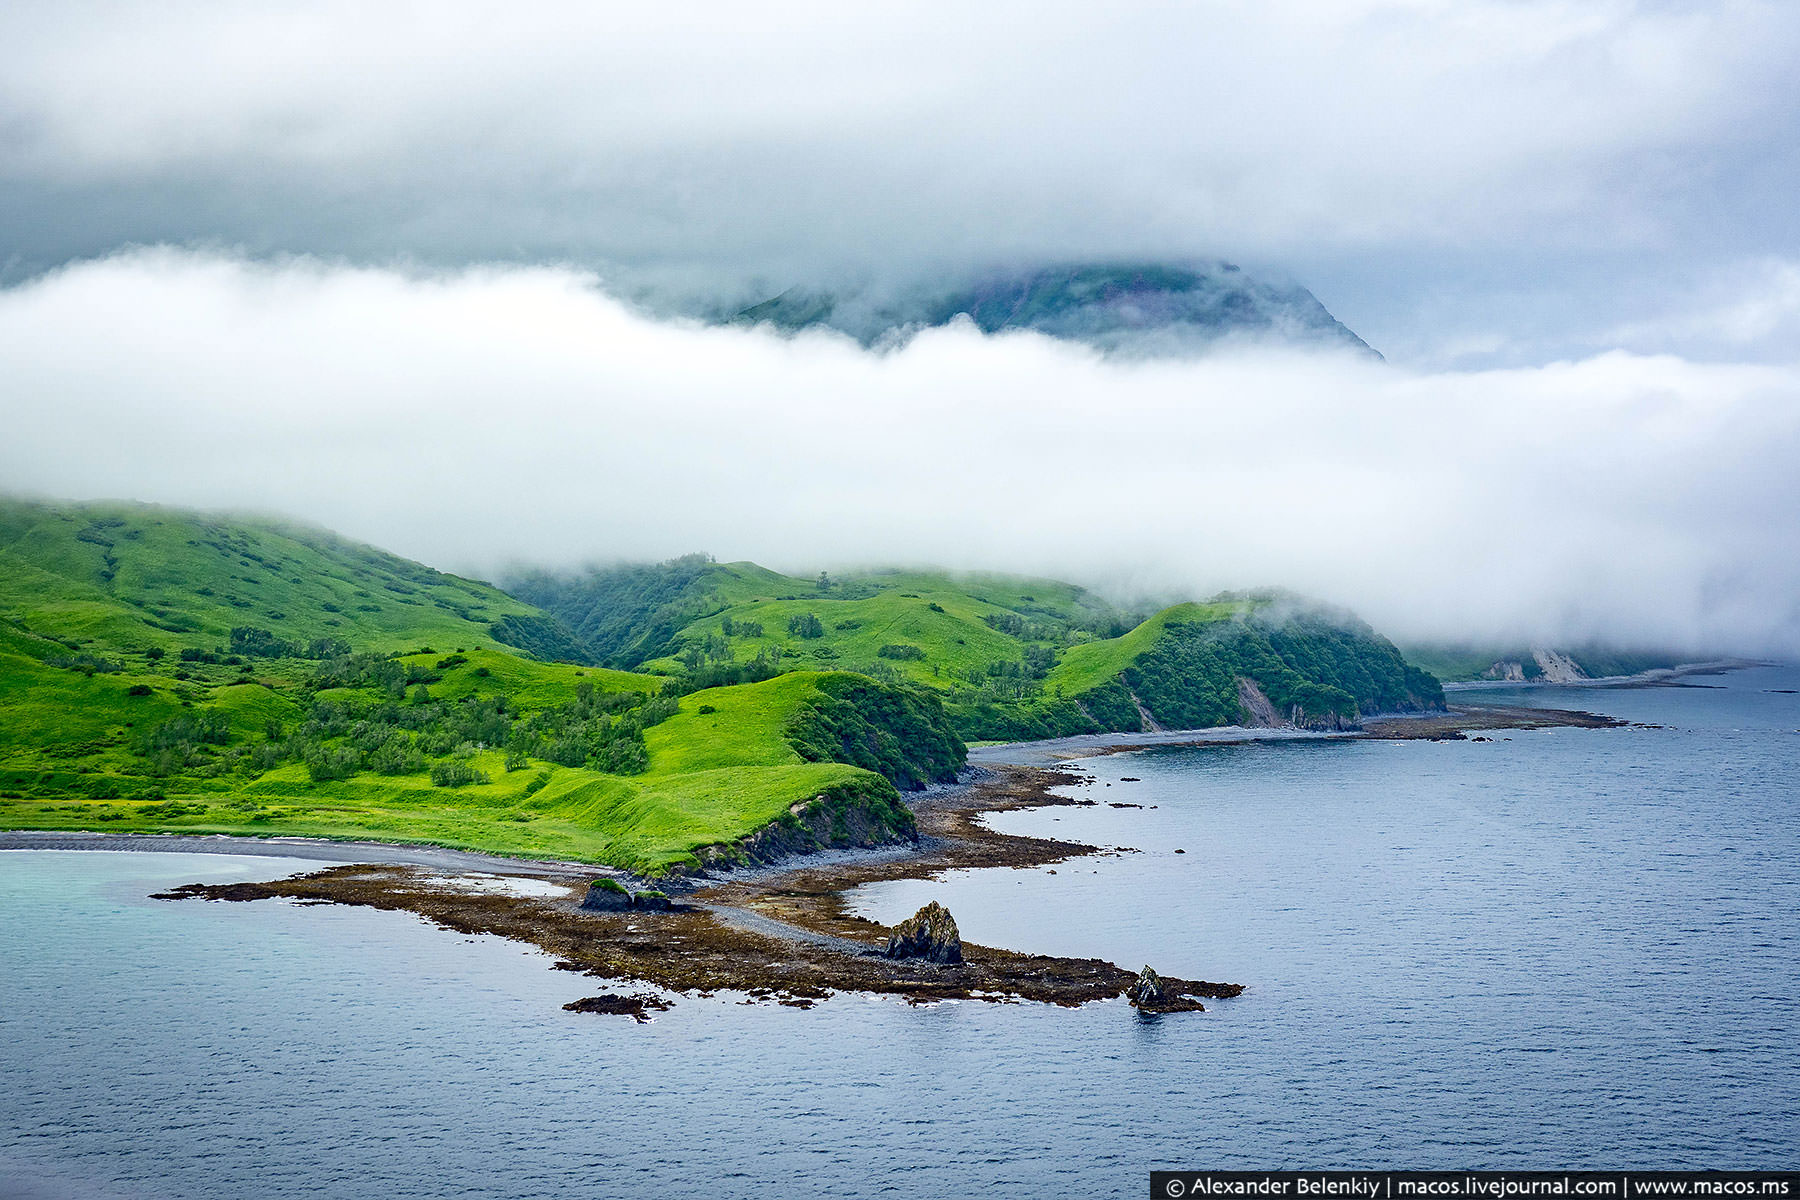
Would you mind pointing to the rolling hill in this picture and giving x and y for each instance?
(1009, 657)
(167, 670)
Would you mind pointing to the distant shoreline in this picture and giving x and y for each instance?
(1651, 678)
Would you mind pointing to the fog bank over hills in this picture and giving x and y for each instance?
(1492, 181)
(499, 415)
(1145, 309)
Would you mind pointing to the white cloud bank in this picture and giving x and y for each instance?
(497, 415)
(1415, 161)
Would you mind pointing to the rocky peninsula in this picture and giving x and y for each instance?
(784, 933)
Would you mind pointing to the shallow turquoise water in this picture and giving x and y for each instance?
(1571, 948)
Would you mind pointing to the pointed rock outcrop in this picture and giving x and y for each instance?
(929, 934)
(1147, 992)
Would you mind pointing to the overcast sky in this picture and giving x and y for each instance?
(361, 263)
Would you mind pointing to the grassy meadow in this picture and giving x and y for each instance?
(170, 671)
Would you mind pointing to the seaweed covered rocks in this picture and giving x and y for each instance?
(606, 895)
(609, 895)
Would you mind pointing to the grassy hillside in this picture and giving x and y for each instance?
(1094, 664)
(133, 577)
(169, 670)
(690, 611)
(1015, 658)
(371, 701)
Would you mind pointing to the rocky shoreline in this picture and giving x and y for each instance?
(783, 938)
(783, 933)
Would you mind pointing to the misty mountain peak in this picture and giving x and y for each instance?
(1148, 309)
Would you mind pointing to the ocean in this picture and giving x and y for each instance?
(1555, 948)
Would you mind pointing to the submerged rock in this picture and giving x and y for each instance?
(638, 1007)
(606, 895)
(929, 934)
(1148, 991)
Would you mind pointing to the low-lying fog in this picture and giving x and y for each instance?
(486, 417)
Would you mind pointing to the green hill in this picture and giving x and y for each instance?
(137, 576)
(173, 671)
(1010, 658)
(176, 671)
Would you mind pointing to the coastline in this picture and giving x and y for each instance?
(781, 932)
(312, 849)
(1655, 677)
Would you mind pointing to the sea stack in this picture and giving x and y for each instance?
(1147, 992)
(929, 934)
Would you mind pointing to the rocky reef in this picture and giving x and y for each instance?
(1151, 993)
(638, 1007)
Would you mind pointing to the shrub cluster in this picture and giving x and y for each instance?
(900, 732)
(370, 721)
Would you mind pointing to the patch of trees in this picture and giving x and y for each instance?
(383, 727)
(586, 733)
(544, 638)
(368, 670)
(251, 641)
(900, 732)
(901, 652)
(709, 649)
(88, 664)
(743, 629)
(623, 615)
(182, 741)
(455, 775)
(806, 625)
(766, 665)
(1009, 623)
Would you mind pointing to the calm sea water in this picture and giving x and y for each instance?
(1574, 948)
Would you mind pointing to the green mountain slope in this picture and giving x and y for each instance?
(141, 576)
(373, 700)
(682, 615)
(1017, 658)
(175, 671)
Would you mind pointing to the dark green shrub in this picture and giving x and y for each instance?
(806, 625)
(455, 775)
